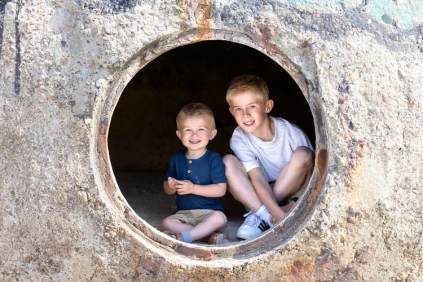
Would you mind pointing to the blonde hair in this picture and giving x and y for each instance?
(195, 110)
(247, 82)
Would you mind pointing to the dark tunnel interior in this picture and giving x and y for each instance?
(142, 132)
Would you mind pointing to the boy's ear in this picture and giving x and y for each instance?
(268, 105)
(213, 134)
(178, 133)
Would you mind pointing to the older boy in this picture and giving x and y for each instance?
(274, 158)
(197, 176)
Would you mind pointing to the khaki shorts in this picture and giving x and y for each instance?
(193, 217)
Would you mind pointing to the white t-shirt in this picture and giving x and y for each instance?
(270, 156)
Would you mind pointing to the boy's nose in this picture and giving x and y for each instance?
(195, 133)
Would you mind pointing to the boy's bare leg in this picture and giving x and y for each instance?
(295, 174)
(212, 223)
(265, 194)
(241, 188)
(239, 184)
(175, 226)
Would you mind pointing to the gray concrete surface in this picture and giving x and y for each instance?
(63, 65)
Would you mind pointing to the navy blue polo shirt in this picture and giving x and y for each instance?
(208, 169)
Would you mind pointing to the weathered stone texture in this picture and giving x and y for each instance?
(58, 60)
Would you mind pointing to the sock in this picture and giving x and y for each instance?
(264, 214)
(186, 236)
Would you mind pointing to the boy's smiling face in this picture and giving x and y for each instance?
(250, 111)
(195, 132)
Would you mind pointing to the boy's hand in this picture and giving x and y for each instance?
(172, 183)
(184, 187)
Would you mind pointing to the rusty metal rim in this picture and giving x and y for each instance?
(116, 202)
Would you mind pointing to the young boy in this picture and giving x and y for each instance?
(274, 158)
(197, 176)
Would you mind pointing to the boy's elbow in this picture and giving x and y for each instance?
(223, 188)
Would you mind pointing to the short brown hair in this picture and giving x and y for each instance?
(247, 82)
(194, 110)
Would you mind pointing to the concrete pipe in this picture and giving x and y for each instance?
(355, 72)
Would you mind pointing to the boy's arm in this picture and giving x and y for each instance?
(265, 193)
(212, 190)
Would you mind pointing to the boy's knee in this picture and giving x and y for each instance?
(229, 160)
(166, 223)
(219, 217)
(303, 157)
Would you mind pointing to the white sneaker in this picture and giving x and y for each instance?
(264, 214)
(252, 227)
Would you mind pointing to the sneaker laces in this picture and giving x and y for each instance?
(251, 219)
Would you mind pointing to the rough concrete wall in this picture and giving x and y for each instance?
(2, 4)
(59, 57)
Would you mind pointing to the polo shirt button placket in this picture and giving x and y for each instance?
(189, 167)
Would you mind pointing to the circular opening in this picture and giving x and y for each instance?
(141, 134)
